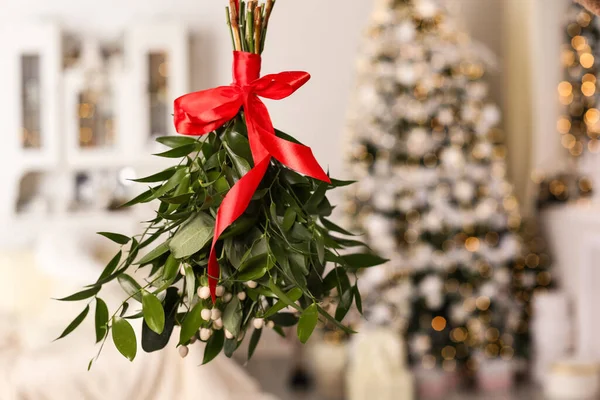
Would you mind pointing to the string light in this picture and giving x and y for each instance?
(578, 91)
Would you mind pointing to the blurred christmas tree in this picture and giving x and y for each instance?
(579, 125)
(432, 193)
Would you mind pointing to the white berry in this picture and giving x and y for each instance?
(205, 314)
(227, 297)
(258, 323)
(204, 292)
(220, 291)
(218, 324)
(271, 324)
(251, 284)
(228, 334)
(183, 351)
(215, 314)
(242, 296)
(205, 334)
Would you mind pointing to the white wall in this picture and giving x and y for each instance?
(318, 36)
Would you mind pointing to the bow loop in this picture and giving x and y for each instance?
(202, 112)
(282, 85)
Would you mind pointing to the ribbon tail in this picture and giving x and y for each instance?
(298, 157)
(202, 112)
(295, 156)
(233, 206)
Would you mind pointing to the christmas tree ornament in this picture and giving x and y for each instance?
(241, 237)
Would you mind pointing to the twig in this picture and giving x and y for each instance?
(258, 29)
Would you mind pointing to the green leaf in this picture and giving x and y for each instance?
(213, 346)
(307, 323)
(279, 331)
(232, 317)
(337, 183)
(281, 257)
(358, 299)
(237, 140)
(154, 314)
(171, 268)
(110, 267)
(337, 278)
(124, 309)
(171, 184)
(293, 295)
(75, 323)
(298, 262)
(150, 340)
(344, 305)
(365, 260)
(191, 324)
(288, 219)
(176, 141)
(154, 254)
(339, 242)
(254, 342)
(115, 237)
(101, 319)
(254, 268)
(84, 294)
(159, 177)
(320, 247)
(130, 286)
(273, 212)
(179, 152)
(335, 228)
(317, 197)
(141, 198)
(334, 321)
(282, 296)
(124, 338)
(284, 319)
(193, 236)
(242, 225)
(241, 165)
(190, 283)
(294, 178)
(300, 233)
(230, 346)
(176, 200)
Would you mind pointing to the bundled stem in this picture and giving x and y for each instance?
(248, 27)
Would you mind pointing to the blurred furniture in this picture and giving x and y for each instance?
(573, 380)
(495, 376)
(552, 329)
(80, 121)
(328, 359)
(378, 367)
(35, 368)
(573, 232)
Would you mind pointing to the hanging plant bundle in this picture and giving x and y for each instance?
(241, 238)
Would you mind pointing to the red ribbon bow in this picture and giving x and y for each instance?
(202, 112)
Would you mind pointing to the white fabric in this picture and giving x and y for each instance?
(32, 367)
(378, 368)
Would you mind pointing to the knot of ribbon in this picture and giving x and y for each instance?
(202, 112)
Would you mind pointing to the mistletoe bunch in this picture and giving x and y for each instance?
(277, 262)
